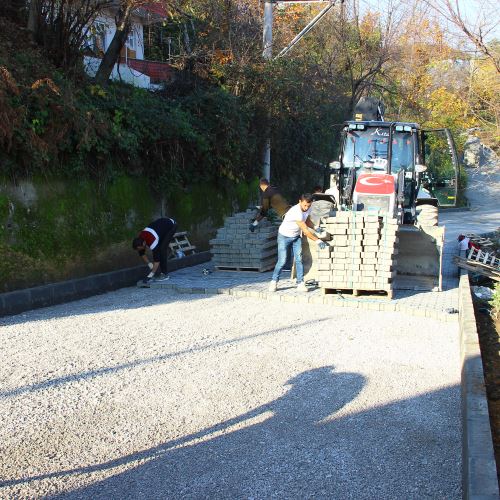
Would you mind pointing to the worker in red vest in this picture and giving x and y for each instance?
(156, 236)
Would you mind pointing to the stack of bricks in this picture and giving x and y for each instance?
(360, 254)
(236, 248)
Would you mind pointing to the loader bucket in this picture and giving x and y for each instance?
(419, 258)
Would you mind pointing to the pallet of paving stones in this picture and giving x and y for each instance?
(261, 269)
(360, 256)
(236, 248)
(377, 291)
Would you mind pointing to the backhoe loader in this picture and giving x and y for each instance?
(404, 172)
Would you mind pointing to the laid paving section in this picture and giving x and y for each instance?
(439, 305)
(442, 305)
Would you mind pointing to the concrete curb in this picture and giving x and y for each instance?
(55, 293)
(479, 471)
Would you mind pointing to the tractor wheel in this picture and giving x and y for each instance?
(427, 215)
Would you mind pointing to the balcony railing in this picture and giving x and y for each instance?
(156, 70)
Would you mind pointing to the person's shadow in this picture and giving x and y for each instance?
(281, 449)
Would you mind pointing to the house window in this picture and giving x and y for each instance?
(132, 41)
(96, 38)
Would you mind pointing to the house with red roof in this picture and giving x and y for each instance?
(132, 68)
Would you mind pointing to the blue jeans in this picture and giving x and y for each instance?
(284, 242)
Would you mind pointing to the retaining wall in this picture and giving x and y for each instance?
(65, 291)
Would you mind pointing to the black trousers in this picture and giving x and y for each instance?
(165, 249)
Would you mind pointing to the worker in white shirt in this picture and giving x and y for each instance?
(295, 222)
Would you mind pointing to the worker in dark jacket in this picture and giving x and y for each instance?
(156, 236)
(269, 198)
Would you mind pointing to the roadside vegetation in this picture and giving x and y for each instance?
(211, 120)
(208, 125)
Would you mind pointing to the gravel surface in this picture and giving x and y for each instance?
(142, 394)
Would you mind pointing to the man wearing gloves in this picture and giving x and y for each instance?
(295, 222)
(156, 237)
(270, 198)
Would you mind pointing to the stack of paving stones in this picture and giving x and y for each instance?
(235, 248)
(360, 253)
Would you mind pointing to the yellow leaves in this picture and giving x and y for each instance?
(223, 57)
(46, 82)
(293, 17)
(369, 25)
(97, 90)
(486, 81)
(448, 109)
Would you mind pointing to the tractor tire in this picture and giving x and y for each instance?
(427, 215)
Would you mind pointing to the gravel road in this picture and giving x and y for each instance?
(141, 394)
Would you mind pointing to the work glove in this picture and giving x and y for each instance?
(321, 244)
(253, 224)
(320, 232)
(150, 265)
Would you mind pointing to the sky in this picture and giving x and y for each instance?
(476, 13)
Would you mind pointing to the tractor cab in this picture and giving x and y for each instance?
(406, 173)
(394, 167)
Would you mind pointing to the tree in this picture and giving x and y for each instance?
(356, 51)
(123, 25)
(123, 22)
(61, 27)
(480, 30)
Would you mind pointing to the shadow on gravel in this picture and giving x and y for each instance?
(110, 370)
(299, 448)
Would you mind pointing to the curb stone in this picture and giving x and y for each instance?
(479, 473)
(18, 301)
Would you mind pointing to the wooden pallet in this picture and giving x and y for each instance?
(483, 257)
(480, 240)
(180, 243)
(245, 269)
(357, 292)
(478, 267)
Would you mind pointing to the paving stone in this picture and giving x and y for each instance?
(418, 303)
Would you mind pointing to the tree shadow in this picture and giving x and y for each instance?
(305, 444)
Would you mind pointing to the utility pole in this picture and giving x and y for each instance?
(267, 54)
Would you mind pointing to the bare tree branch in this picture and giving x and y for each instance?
(486, 23)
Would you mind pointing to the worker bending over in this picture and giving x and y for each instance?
(156, 237)
(270, 198)
(295, 222)
(321, 206)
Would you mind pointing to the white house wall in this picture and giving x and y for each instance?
(120, 72)
(108, 20)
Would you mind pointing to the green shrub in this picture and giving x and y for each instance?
(495, 301)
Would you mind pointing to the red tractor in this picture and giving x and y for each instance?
(398, 169)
